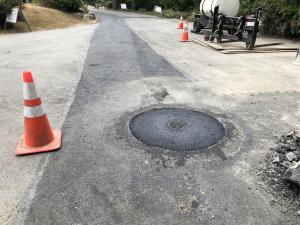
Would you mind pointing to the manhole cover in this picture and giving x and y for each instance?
(176, 129)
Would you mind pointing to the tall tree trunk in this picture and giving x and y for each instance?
(115, 4)
(133, 4)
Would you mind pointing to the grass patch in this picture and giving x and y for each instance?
(42, 18)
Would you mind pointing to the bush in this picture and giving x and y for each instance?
(170, 13)
(279, 17)
(64, 5)
(92, 2)
(7, 5)
(108, 5)
(142, 10)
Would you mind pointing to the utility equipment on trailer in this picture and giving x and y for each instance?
(217, 20)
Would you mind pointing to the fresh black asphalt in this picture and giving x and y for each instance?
(176, 129)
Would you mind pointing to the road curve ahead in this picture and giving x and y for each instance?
(103, 176)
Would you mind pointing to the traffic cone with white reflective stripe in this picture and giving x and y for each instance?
(185, 33)
(38, 134)
(180, 25)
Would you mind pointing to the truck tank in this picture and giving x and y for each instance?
(226, 7)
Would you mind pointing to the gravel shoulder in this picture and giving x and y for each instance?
(55, 58)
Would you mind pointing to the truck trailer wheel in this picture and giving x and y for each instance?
(251, 39)
(197, 26)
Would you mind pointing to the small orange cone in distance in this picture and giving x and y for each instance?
(38, 134)
(185, 33)
(180, 26)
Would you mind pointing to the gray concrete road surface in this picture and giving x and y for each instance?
(55, 58)
(102, 175)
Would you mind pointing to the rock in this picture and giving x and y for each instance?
(276, 159)
(295, 136)
(92, 16)
(286, 164)
(290, 135)
(89, 16)
(290, 156)
(189, 205)
(276, 148)
(86, 17)
(273, 202)
(293, 176)
(285, 146)
(79, 15)
(294, 165)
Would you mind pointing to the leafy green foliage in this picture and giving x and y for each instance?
(109, 4)
(279, 17)
(64, 5)
(7, 5)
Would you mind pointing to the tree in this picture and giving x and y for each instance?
(133, 4)
(115, 4)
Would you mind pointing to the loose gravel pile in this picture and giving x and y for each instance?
(286, 159)
(282, 171)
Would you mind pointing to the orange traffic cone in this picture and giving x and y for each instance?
(185, 34)
(180, 26)
(38, 135)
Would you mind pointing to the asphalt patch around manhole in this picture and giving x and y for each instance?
(176, 129)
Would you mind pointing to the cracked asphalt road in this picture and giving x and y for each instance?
(102, 175)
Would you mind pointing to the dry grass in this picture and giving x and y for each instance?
(42, 18)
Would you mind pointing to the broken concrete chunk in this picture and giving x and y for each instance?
(290, 156)
(276, 159)
(294, 165)
(276, 148)
(295, 136)
(285, 146)
(293, 176)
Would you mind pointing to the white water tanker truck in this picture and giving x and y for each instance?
(218, 20)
